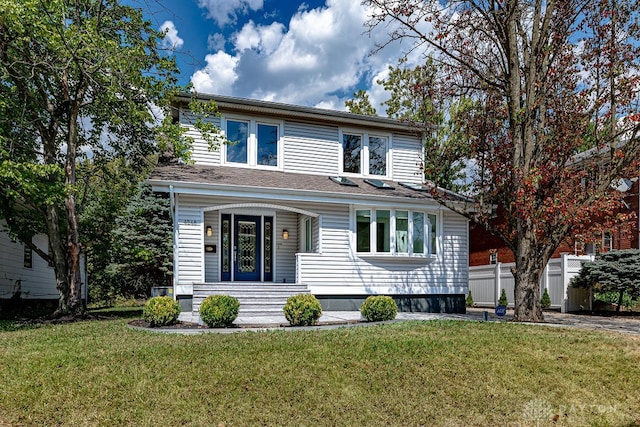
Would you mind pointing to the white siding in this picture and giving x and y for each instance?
(338, 270)
(37, 282)
(211, 260)
(310, 148)
(190, 248)
(407, 158)
(286, 249)
(200, 154)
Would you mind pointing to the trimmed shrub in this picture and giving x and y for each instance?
(161, 311)
(545, 301)
(219, 311)
(302, 310)
(469, 300)
(379, 308)
(503, 298)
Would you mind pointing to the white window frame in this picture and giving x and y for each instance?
(307, 235)
(429, 251)
(607, 241)
(252, 142)
(364, 152)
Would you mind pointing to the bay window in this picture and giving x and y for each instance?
(395, 232)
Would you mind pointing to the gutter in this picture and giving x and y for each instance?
(233, 104)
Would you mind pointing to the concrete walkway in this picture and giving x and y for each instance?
(333, 319)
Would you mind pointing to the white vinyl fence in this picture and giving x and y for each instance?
(487, 281)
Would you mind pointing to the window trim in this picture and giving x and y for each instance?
(365, 158)
(429, 251)
(27, 255)
(307, 235)
(252, 141)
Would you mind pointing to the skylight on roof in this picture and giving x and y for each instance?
(379, 184)
(343, 181)
(415, 186)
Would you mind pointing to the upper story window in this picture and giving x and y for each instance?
(396, 232)
(252, 142)
(365, 154)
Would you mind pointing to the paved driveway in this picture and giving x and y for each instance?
(624, 324)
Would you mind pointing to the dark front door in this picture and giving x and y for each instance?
(247, 253)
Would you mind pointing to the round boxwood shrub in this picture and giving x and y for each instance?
(161, 311)
(219, 311)
(302, 310)
(379, 308)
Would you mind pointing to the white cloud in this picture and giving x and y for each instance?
(215, 42)
(226, 11)
(318, 59)
(218, 75)
(171, 39)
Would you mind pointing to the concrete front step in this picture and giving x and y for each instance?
(256, 299)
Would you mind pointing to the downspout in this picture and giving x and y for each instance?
(175, 238)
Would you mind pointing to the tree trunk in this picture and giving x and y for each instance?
(527, 273)
(620, 299)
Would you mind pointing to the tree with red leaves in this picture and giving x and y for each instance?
(556, 85)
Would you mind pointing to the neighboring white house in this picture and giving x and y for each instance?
(23, 271)
(325, 201)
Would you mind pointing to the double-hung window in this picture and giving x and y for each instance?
(365, 154)
(396, 232)
(252, 143)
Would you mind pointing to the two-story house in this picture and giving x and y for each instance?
(312, 200)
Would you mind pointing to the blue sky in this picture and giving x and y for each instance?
(311, 53)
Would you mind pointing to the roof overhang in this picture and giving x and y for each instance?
(228, 104)
(280, 194)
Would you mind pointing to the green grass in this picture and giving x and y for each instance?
(413, 373)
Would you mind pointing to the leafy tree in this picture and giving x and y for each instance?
(543, 75)
(614, 271)
(78, 77)
(142, 246)
(107, 186)
(416, 97)
(360, 104)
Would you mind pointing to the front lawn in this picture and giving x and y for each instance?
(410, 374)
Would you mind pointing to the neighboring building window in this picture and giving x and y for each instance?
(27, 257)
(607, 241)
(252, 143)
(396, 232)
(364, 154)
(308, 235)
(493, 256)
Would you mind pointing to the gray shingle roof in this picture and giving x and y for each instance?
(223, 176)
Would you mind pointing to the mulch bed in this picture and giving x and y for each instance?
(180, 325)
